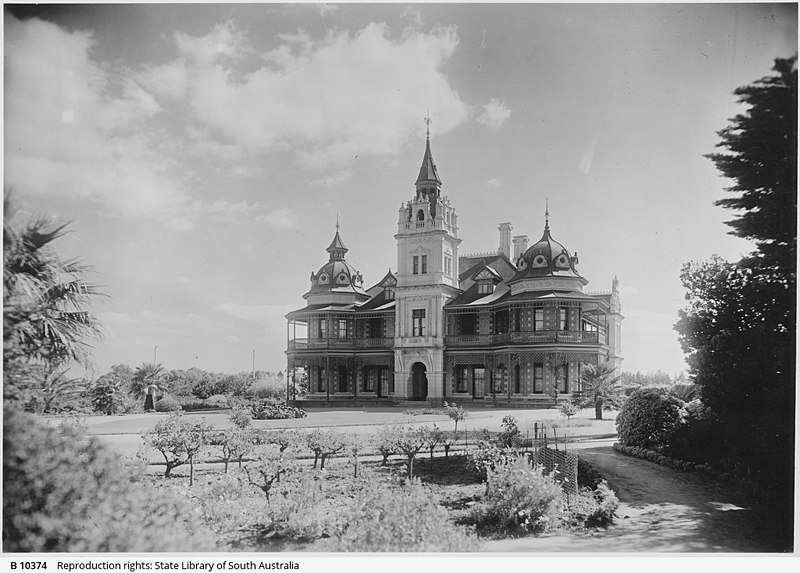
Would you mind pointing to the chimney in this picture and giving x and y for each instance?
(520, 246)
(505, 239)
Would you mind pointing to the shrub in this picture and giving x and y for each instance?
(269, 410)
(519, 499)
(510, 437)
(402, 519)
(240, 418)
(487, 456)
(217, 401)
(67, 493)
(649, 418)
(593, 508)
(168, 404)
(409, 442)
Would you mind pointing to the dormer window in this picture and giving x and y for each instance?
(342, 279)
(324, 279)
(485, 287)
(562, 261)
(389, 293)
(539, 261)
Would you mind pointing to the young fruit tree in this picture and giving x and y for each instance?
(324, 444)
(409, 442)
(179, 441)
(456, 413)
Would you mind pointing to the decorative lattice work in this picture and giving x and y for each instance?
(561, 464)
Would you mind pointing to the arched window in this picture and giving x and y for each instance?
(420, 215)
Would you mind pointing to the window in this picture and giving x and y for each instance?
(565, 389)
(369, 379)
(322, 379)
(424, 264)
(469, 323)
(462, 378)
(391, 381)
(517, 320)
(375, 328)
(538, 319)
(478, 379)
(323, 328)
(389, 294)
(418, 322)
(342, 328)
(415, 265)
(516, 379)
(342, 387)
(538, 378)
(562, 318)
(383, 380)
(501, 322)
(419, 264)
(448, 265)
(484, 287)
(420, 215)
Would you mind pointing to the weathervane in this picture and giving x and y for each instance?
(547, 213)
(428, 124)
(337, 222)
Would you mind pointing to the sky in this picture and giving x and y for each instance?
(203, 152)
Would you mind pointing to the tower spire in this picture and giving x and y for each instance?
(547, 214)
(427, 173)
(428, 125)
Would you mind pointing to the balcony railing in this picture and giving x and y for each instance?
(539, 337)
(334, 343)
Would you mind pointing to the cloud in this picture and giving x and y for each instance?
(337, 178)
(75, 128)
(319, 97)
(282, 218)
(493, 183)
(494, 113)
(261, 313)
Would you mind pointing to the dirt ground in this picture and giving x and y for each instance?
(661, 510)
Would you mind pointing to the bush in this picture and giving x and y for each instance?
(568, 409)
(240, 418)
(168, 404)
(592, 508)
(519, 499)
(67, 493)
(649, 418)
(486, 456)
(217, 401)
(269, 410)
(510, 437)
(402, 519)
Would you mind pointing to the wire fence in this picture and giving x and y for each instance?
(561, 463)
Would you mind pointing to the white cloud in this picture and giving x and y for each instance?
(261, 313)
(282, 218)
(493, 183)
(75, 128)
(494, 113)
(320, 97)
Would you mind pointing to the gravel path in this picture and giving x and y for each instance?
(661, 510)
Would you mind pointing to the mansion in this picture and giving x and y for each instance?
(513, 327)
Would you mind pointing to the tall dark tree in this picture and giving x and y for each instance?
(761, 159)
(738, 330)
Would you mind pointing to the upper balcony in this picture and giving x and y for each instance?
(538, 337)
(339, 343)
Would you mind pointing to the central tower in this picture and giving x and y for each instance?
(427, 278)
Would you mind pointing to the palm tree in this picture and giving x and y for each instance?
(601, 388)
(146, 382)
(44, 297)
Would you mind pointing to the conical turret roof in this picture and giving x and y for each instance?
(428, 172)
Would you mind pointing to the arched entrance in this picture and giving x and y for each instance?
(419, 382)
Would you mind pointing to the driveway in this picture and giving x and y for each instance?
(661, 510)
